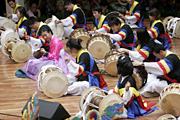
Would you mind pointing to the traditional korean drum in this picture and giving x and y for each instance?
(57, 29)
(169, 99)
(173, 26)
(165, 22)
(8, 33)
(81, 34)
(51, 81)
(95, 98)
(99, 46)
(17, 50)
(7, 23)
(111, 62)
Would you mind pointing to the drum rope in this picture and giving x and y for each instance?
(173, 24)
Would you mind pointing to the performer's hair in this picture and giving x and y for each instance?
(10, 1)
(32, 20)
(143, 36)
(157, 48)
(22, 11)
(67, 2)
(124, 65)
(113, 21)
(97, 8)
(45, 28)
(74, 43)
(155, 13)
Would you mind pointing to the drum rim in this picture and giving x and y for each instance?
(166, 115)
(78, 30)
(123, 3)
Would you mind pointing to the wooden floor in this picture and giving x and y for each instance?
(14, 92)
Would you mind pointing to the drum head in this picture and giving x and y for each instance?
(84, 40)
(99, 46)
(167, 117)
(93, 115)
(85, 94)
(7, 23)
(122, 2)
(21, 51)
(170, 104)
(58, 29)
(109, 100)
(177, 29)
(111, 68)
(55, 84)
(47, 21)
(138, 80)
(165, 21)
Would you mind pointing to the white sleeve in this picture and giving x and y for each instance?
(67, 21)
(153, 68)
(101, 30)
(62, 52)
(14, 17)
(73, 68)
(21, 32)
(150, 34)
(134, 55)
(131, 19)
(35, 43)
(127, 96)
(115, 37)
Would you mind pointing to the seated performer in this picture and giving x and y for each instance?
(76, 20)
(143, 49)
(38, 41)
(157, 30)
(168, 67)
(55, 55)
(100, 23)
(14, 6)
(22, 27)
(122, 33)
(134, 16)
(85, 69)
(127, 89)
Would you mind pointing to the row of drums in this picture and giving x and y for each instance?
(172, 26)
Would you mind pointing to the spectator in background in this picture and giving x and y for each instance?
(34, 11)
(51, 7)
(86, 7)
(94, 3)
(61, 12)
(105, 7)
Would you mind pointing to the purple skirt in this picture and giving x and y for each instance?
(33, 65)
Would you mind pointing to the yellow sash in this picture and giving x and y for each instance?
(21, 20)
(39, 28)
(101, 21)
(156, 21)
(132, 89)
(16, 8)
(132, 7)
(80, 52)
(76, 7)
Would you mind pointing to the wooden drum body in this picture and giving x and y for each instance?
(81, 33)
(8, 33)
(17, 50)
(7, 23)
(52, 81)
(99, 100)
(99, 46)
(169, 99)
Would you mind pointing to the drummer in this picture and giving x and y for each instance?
(143, 49)
(37, 41)
(168, 67)
(127, 89)
(85, 69)
(22, 26)
(76, 20)
(100, 23)
(157, 30)
(14, 6)
(122, 33)
(134, 16)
